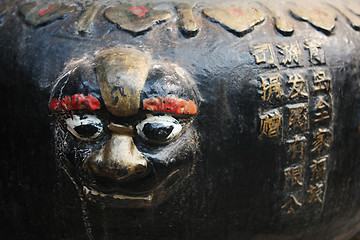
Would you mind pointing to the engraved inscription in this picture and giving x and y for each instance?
(296, 147)
(316, 53)
(291, 205)
(263, 53)
(318, 169)
(294, 176)
(321, 140)
(321, 82)
(271, 124)
(298, 86)
(291, 53)
(300, 120)
(270, 88)
(315, 193)
(298, 117)
(322, 110)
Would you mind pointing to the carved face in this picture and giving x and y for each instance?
(123, 127)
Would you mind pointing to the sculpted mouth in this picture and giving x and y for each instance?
(93, 192)
(155, 195)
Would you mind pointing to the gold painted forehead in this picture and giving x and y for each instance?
(121, 74)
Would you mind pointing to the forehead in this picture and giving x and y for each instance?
(122, 92)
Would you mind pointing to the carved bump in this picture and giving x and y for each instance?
(282, 22)
(322, 18)
(238, 20)
(41, 15)
(121, 74)
(86, 19)
(352, 18)
(136, 19)
(187, 23)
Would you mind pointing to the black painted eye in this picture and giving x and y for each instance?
(85, 128)
(159, 129)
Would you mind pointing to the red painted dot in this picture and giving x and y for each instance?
(236, 11)
(317, 11)
(45, 10)
(140, 11)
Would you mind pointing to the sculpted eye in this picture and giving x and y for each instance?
(159, 129)
(85, 128)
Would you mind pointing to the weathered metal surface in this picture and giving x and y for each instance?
(180, 120)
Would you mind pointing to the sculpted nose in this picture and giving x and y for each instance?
(119, 159)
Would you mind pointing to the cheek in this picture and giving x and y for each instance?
(178, 154)
(70, 150)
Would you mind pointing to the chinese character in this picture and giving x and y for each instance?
(321, 140)
(318, 169)
(263, 53)
(315, 52)
(270, 125)
(322, 112)
(321, 82)
(298, 117)
(291, 205)
(293, 176)
(291, 52)
(271, 88)
(297, 147)
(298, 86)
(315, 192)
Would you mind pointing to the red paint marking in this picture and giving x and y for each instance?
(140, 11)
(317, 11)
(236, 11)
(75, 102)
(171, 105)
(45, 10)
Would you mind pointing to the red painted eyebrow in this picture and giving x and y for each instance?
(45, 10)
(75, 102)
(170, 104)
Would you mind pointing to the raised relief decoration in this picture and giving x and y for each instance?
(121, 97)
(321, 17)
(238, 20)
(86, 19)
(348, 13)
(136, 19)
(353, 6)
(282, 21)
(127, 134)
(187, 22)
(39, 15)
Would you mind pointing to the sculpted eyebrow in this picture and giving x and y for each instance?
(74, 102)
(170, 104)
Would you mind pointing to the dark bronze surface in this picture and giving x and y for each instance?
(179, 120)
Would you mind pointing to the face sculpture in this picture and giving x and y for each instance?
(123, 127)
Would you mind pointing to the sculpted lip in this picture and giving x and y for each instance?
(148, 197)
